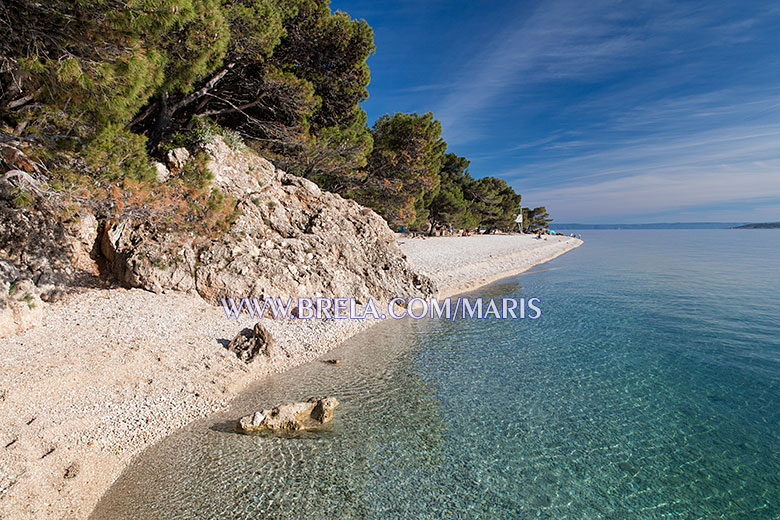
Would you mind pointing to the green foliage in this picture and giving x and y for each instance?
(291, 81)
(91, 66)
(463, 202)
(194, 44)
(448, 206)
(536, 219)
(116, 154)
(22, 199)
(101, 60)
(215, 200)
(329, 51)
(334, 158)
(233, 139)
(195, 172)
(99, 85)
(312, 82)
(493, 202)
(205, 131)
(255, 27)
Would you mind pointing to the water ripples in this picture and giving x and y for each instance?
(647, 390)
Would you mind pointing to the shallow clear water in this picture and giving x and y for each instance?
(650, 388)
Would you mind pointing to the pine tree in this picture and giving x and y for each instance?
(402, 167)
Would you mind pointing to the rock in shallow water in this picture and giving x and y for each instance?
(291, 417)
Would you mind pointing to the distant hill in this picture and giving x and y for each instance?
(656, 225)
(765, 225)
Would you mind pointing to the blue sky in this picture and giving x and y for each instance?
(604, 111)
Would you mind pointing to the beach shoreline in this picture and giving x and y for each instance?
(462, 264)
(112, 371)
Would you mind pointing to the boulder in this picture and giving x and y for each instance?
(249, 343)
(161, 172)
(177, 158)
(291, 240)
(291, 417)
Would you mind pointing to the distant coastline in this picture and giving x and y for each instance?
(657, 225)
(764, 225)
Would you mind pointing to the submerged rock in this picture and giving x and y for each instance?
(249, 343)
(291, 417)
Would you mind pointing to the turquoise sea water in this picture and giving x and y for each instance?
(649, 388)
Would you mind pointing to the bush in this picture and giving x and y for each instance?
(116, 154)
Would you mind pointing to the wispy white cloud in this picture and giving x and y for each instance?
(437, 87)
(662, 173)
(667, 191)
(666, 143)
(560, 40)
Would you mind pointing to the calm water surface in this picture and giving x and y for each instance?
(650, 388)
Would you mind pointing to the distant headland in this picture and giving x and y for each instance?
(764, 225)
(662, 225)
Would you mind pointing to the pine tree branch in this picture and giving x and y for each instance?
(210, 84)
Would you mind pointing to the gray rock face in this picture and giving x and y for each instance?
(292, 240)
(250, 343)
(33, 245)
(290, 417)
(40, 256)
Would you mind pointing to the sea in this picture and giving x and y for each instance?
(649, 388)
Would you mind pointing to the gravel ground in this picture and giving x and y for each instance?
(459, 264)
(112, 371)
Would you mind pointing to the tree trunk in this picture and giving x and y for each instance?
(164, 113)
(433, 226)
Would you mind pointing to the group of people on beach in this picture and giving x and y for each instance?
(539, 234)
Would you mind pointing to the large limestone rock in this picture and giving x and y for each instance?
(292, 240)
(291, 417)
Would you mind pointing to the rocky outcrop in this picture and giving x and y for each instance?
(291, 240)
(250, 343)
(41, 254)
(291, 417)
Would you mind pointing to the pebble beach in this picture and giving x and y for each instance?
(112, 371)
